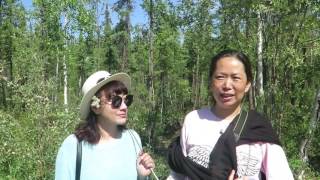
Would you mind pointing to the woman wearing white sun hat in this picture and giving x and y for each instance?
(109, 149)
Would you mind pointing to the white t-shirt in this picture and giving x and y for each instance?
(201, 131)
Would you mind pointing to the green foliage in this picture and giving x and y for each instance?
(29, 145)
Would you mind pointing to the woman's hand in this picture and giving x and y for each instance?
(231, 176)
(145, 164)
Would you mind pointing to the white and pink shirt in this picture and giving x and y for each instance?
(201, 131)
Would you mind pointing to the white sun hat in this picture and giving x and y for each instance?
(94, 83)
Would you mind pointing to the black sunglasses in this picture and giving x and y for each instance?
(116, 101)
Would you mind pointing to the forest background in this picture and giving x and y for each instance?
(47, 51)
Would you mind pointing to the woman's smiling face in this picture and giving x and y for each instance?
(229, 83)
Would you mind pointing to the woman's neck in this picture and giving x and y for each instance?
(108, 131)
(226, 114)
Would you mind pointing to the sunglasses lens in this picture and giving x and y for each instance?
(116, 101)
(128, 100)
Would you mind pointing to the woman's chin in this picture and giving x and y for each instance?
(227, 105)
(122, 121)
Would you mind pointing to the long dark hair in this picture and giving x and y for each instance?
(88, 130)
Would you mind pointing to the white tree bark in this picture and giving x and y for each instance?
(65, 83)
(259, 81)
(65, 70)
(57, 79)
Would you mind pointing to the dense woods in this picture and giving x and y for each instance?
(46, 53)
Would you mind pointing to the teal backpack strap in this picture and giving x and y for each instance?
(78, 160)
(240, 124)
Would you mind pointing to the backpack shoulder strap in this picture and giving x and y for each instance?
(240, 124)
(79, 158)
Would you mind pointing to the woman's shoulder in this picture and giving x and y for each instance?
(70, 140)
(132, 136)
(131, 133)
(68, 146)
(258, 128)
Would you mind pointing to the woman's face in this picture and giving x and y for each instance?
(229, 83)
(113, 115)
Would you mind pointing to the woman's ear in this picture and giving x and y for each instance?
(248, 87)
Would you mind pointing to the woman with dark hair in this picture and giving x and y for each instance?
(224, 140)
(109, 149)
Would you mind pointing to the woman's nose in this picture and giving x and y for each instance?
(123, 105)
(227, 83)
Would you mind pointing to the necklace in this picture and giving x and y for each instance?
(228, 118)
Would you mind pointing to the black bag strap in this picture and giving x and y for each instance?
(78, 160)
(240, 124)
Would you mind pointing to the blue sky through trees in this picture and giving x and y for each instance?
(138, 15)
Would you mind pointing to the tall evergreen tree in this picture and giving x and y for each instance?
(123, 31)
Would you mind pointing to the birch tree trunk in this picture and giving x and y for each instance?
(150, 80)
(259, 80)
(65, 72)
(55, 98)
(65, 84)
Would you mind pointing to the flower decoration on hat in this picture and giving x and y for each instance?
(95, 102)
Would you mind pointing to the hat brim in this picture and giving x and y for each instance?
(86, 99)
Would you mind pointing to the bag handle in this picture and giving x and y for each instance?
(240, 124)
(78, 160)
